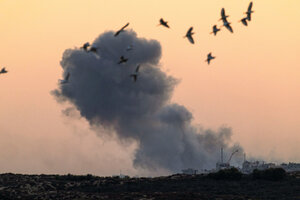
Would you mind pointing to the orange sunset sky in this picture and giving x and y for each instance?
(253, 85)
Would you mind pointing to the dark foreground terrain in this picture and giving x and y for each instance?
(16, 186)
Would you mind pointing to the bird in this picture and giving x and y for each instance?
(249, 11)
(93, 49)
(227, 25)
(209, 58)
(3, 71)
(215, 30)
(129, 47)
(85, 46)
(189, 34)
(244, 21)
(223, 15)
(122, 29)
(163, 23)
(122, 60)
(134, 76)
(66, 80)
(137, 69)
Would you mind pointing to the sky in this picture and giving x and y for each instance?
(252, 86)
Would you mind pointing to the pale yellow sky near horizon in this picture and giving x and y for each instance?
(252, 86)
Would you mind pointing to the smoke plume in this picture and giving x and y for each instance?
(104, 93)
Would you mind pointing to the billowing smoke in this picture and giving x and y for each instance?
(104, 93)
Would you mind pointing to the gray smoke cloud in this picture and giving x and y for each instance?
(104, 94)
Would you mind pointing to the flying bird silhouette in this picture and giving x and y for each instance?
(215, 30)
(227, 25)
(122, 60)
(122, 29)
(223, 15)
(134, 76)
(163, 23)
(93, 49)
(66, 80)
(3, 71)
(249, 11)
(244, 21)
(137, 68)
(85, 46)
(209, 58)
(189, 34)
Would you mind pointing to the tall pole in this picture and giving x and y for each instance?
(222, 155)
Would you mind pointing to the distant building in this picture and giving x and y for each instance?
(291, 167)
(225, 165)
(189, 171)
(248, 166)
(221, 165)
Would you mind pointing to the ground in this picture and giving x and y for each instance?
(17, 186)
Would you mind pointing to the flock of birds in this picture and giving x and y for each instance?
(189, 35)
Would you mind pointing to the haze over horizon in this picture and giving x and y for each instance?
(251, 87)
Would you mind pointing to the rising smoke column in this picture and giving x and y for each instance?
(104, 94)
